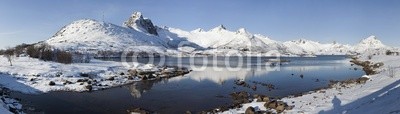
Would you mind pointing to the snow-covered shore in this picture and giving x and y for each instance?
(33, 76)
(380, 94)
(9, 105)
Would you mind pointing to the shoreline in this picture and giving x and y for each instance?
(337, 90)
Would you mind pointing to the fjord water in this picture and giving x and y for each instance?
(200, 90)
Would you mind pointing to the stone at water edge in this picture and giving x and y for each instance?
(250, 110)
(51, 83)
(89, 87)
(265, 99)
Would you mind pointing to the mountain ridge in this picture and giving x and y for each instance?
(88, 34)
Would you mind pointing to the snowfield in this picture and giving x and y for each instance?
(379, 95)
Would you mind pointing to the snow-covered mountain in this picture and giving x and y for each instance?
(303, 46)
(141, 34)
(370, 43)
(220, 38)
(92, 35)
(137, 22)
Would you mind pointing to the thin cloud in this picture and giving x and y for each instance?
(10, 33)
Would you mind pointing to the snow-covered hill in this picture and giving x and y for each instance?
(92, 35)
(303, 46)
(370, 44)
(140, 34)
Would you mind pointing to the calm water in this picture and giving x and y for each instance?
(198, 90)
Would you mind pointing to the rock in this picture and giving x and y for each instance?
(271, 104)
(111, 78)
(82, 80)
(84, 75)
(256, 95)
(188, 112)
(240, 82)
(250, 110)
(132, 72)
(89, 87)
(362, 80)
(259, 99)
(240, 97)
(51, 83)
(121, 73)
(265, 99)
(139, 111)
(144, 78)
(254, 87)
(301, 76)
(377, 65)
(136, 21)
(280, 108)
(67, 82)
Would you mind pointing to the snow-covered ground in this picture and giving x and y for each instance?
(379, 95)
(32, 76)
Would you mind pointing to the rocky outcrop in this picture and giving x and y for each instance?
(137, 22)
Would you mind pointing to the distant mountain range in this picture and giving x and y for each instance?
(140, 35)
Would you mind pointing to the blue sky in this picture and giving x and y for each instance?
(345, 21)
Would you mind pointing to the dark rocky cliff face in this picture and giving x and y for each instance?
(136, 21)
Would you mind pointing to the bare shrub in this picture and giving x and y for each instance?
(32, 51)
(64, 57)
(47, 55)
(1, 52)
(9, 53)
(20, 49)
(388, 52)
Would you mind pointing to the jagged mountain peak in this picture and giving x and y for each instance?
(303, 41)
(243, 31)
(198, 30)
(371, 40)
(138, 22)
(219, 28)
